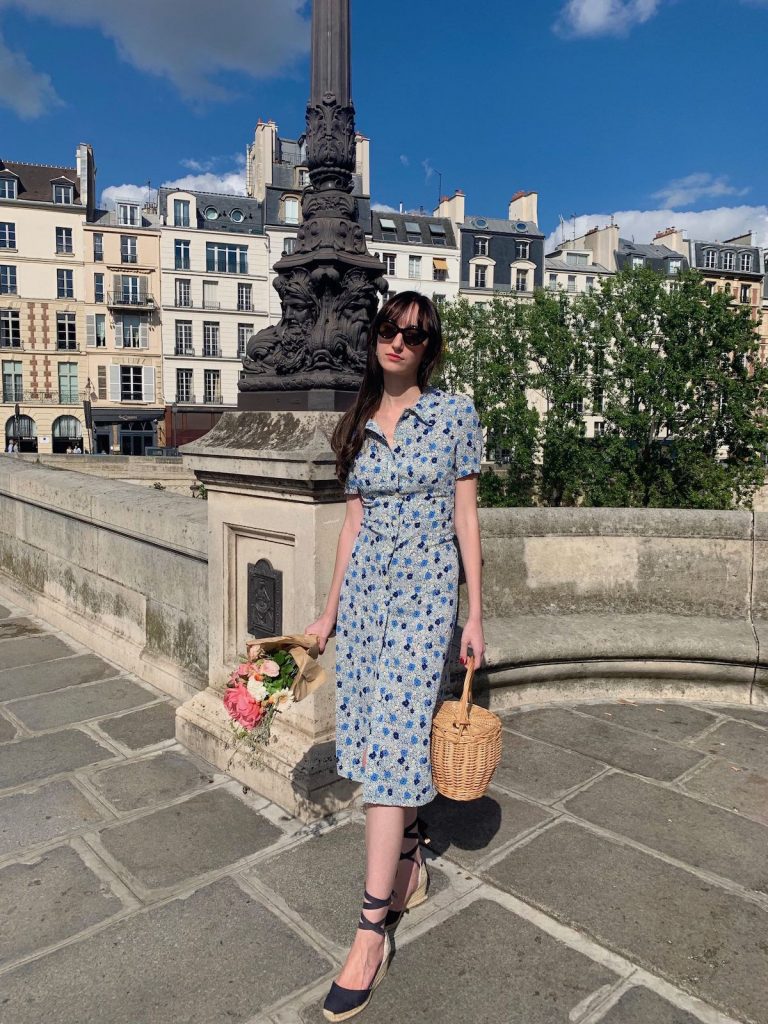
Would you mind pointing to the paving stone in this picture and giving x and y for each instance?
(83, 668)
(216, 956)
(758, 716)
(326, 881)
(467, 831)
(710, 942)
(7, 730)
(40, 756)
(745, 790)
(541, 770)
(176, 843)
(641, 1006)
(32, 651)
(483, 964)
(54, 810)
(50, 900)
(668, 721)
(79, 703)
(643, 755)
(154, 780)
(142, 728)
(705, 837)
(18, 627)
(740, 743)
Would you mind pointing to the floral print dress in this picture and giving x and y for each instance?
(398, 601)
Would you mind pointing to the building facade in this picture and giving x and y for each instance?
(419, 253)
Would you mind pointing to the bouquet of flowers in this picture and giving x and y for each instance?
(274, 674)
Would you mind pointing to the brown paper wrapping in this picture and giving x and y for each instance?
(303, 648)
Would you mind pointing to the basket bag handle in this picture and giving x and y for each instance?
(466, 697)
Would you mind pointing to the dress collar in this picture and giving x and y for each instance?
(425, 407)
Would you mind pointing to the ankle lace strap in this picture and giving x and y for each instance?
(373, 903)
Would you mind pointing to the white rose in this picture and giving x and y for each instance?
(257, 689)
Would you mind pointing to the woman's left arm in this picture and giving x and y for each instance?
(468, 532)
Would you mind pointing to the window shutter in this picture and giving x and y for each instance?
(90, 331)
(114, 383)
(102, 381)
(143, 334)
(118, 334)
(117, 285)
(149, 383)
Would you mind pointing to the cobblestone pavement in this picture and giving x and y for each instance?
(617, 871)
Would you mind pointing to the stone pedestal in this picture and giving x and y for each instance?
(272, 495)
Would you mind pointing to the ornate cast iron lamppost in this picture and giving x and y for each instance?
(329, 287)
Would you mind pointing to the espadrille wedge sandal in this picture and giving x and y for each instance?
(343, 1003)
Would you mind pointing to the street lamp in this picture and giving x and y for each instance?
(174, 409)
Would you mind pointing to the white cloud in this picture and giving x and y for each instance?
(692, 188)
(429, 170)
(604, 17)
(130, 193)
(254, 37)
(383, 208)
(704, 225)
(231, 183)
(28, 93)
(404, 160)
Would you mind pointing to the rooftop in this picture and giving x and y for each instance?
(35, 180)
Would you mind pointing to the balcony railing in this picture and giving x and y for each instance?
(212, 351)
(213, 398)
(207, 304)
(72, 397)
(183, 350)
(132, 300)
(129, 257)
(186, 399)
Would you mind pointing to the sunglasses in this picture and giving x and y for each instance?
(412, 336)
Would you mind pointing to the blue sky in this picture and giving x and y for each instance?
(650, 110)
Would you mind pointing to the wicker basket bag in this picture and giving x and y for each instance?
(466, 745)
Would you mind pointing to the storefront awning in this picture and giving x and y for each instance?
(440, 264)
(103, 416)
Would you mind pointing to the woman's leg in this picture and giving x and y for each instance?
(407, 877)
(383, 841)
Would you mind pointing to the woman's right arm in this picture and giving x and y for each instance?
(353, 518)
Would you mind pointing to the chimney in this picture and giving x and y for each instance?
(86, 173)
(260, 159)
(673, 239)
(524, 206)
(452, 207)
(602, 243)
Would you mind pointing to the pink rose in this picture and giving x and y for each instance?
(242, 707)
(244, 669)
(270, 668)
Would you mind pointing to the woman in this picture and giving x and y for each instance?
(408, 456)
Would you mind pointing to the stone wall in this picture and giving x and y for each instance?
(119, 567)
(146, 470)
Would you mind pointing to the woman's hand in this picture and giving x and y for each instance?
(322, 629)
(472, 636)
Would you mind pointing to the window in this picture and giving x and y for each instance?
(745, 262)
(211, 385)
(553, 282)
(184, 386)
(598, 398)
(244, 331)
(237, 216)
(480, 277)
(68, 391)
(710, 259)
(98, 287)
(746, 293)
(183, 292)
(388, 229)
(12, 389)
(577, 405)
(132, 332)
(728, 260)
(10, 328)
(211, 340)
(481, 247)
(303, 177)
(710, 286)
(414, 268)
(211, 213)
(184, 338)
(571, 282)
(389, 259)
(128, 249)
(522, 250)
(8, 188)
(100, 325)
(437, 233)
(63, 194)
(211, 295)
(131, 384)
(439, 269)
(245, 296)
(521, 283)
(98, 247)
(728, 289)
(590, 284)
(65, 288)
(7, 235)
(181, 213)
(128, 214)
(290, 246)
(291, 210)
(7, 280)
(674, 266)
(66, 336)
(412, 231)
(101, 376)
(638, 262)
(64, 240)
(224, 258)
(599, 428)
(577, 259)
(129, 289)
(181, 253)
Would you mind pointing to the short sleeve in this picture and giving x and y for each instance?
(469, 441)
(352, 484)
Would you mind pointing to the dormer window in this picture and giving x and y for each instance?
(437, 231)
(728, 260)
(745, 262)
(291, 210)
(388, 230)
(413, 231)
(181, 213)
(576, 259)
(481, 246)
(674, 266)
(522, 250)
(302, 177)
(128, 214)
(638, 262)
(710, 259)
(9, 188)
(63, 195)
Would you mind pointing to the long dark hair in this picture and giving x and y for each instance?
(349, 434)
